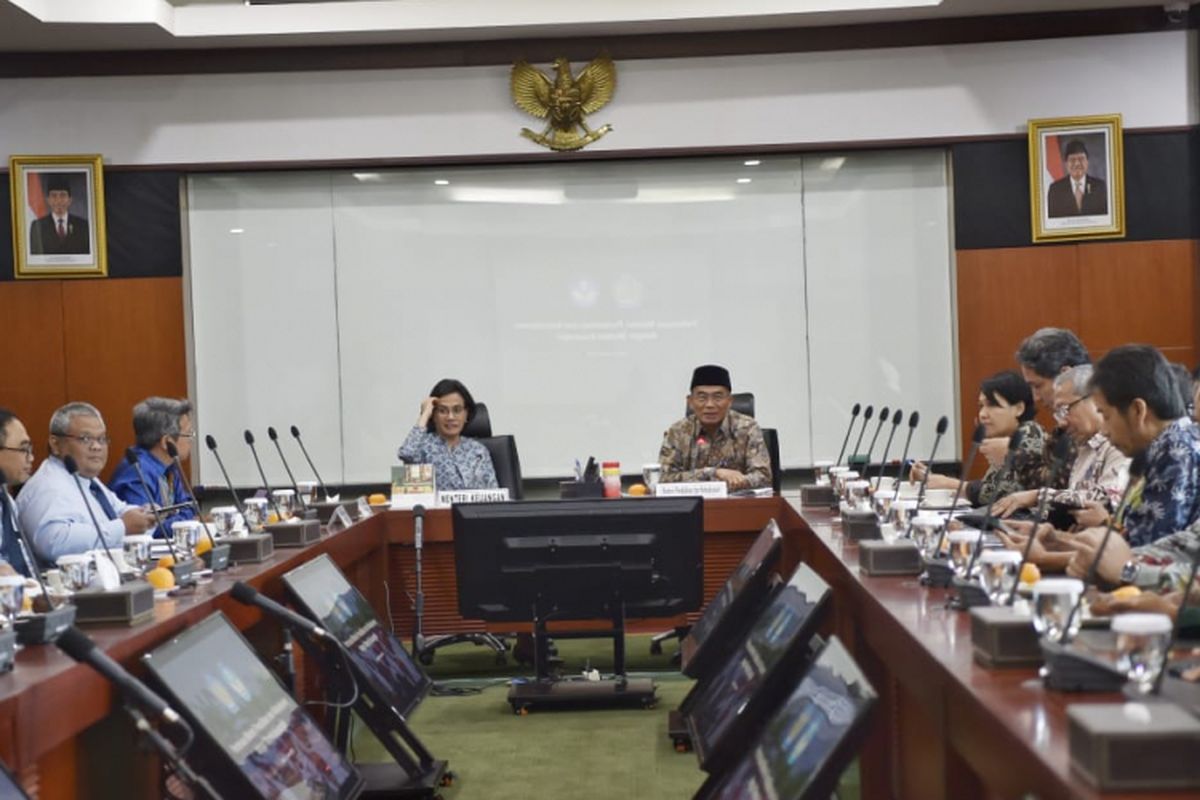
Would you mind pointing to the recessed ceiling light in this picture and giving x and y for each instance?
(754, 162)
(441, 182)
(743, 180)
(368, 177)
(237, 230)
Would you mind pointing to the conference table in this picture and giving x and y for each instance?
(945, 727)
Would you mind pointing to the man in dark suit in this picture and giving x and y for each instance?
(60, 232)
(16, 461)
(1078, 194)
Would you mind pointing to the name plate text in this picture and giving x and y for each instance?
(472, 496)
(701, 488)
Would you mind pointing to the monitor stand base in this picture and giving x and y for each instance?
(390, 780)
(579, 693)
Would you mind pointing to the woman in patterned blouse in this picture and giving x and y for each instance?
(1006, 410)
(459, 462)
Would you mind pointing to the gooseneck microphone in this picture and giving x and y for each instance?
(883, 418)
(940, 431)
(131, 458)
(899, 415)
(73, 468)
(854, 412)
(418, 542)
(913, 419)
(7, 506)
(870, 412)
(211, 443)
(311, 465)
(246, 594)
(81, 648)
(173, 452)
(266, 485)
(274, 437)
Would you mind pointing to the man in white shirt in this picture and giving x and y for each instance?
(52, 509)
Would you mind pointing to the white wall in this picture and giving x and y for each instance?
(899, 93)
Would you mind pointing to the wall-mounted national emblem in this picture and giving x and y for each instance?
(564, 101)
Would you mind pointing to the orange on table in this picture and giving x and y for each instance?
(160, 578)
(1030, 573)
(377, 499)
(166, 562)
(638, 490)
(203, 546)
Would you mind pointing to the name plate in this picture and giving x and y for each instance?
(340, 520)
(410, 500)
(701, 488)
(472, 496)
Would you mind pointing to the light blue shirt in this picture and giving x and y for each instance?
(54, 515)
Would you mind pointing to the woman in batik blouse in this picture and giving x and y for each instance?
(1006, 410)
(459, 462)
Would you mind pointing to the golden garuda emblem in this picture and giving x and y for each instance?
(564, 101)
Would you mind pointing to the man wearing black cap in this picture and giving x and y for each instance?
(715, 443)
(1077, 194)
(60, 232)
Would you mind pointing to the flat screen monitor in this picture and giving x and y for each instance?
(725, 619)
(740, 696)
(382, 664)
(579, 556)
(808, 742)
(253, 740)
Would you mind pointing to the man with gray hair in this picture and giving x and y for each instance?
(157, 421)
(1042, 357)
(51, 507)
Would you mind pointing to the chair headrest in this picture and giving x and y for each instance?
(479, 425)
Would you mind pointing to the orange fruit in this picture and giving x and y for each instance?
(1030, 573)
(160, 578)
(203, 546)
(1126, 593)
(166, 562)
(377, 499)
(638, 490)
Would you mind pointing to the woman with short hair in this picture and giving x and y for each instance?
(459, 462)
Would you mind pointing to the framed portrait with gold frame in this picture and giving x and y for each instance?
(58, 216)
(1077, 178)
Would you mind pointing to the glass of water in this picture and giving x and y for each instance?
(821, 472)
(1053, 601)
(998, 573)
(1142, 642)
(963, 544)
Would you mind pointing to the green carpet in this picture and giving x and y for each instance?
(581, 755)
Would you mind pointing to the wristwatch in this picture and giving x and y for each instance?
(1130, 571)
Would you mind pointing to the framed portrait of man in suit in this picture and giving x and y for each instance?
(1076, 178)
(58, 216)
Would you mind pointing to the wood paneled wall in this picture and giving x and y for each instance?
(106, 341)
(1110, 293)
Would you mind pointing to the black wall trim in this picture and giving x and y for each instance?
(991, 190)
(142, 210)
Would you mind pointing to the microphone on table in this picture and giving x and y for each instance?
(854, 412)
(246, 594)
(274, 437)
(913, 419)
(899, 415)
(73, 468)
(211, 443)
(7, 506)
(870, 412)
(1062, 450)
(418, 540)
(976, 440)
(942, 424)
(883, 418)
(311, 465)
(131, 458)
(173, 452)
(78, 646)
(270, 495)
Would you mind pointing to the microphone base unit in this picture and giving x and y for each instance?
(44, 628)
(879, 558)
(968, 594)
(327, 508)
(1003, 637)
(184, 572)
(860, 525)
(1069, 669)
(217, 558)
(130, 604)
(387, 779)
(8, 650)
(294, 534)
(250, 549)
(817, 495)
(936, 572)
(1149, 744)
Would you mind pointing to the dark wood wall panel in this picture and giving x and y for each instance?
(123, 341)
(33, 378)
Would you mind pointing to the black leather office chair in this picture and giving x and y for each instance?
(506, 462)
(480, 425)
(771, 440)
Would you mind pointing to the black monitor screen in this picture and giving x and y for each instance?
(750, 577)
(324, 593)
(218, 682)
(807, 743)
(579, 555)
(775, 644)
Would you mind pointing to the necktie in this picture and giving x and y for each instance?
(62, 230)
(1079, 197)
(102, 499)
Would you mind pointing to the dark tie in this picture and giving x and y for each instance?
(62, 230)
(102, 499)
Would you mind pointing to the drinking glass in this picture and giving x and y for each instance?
(927, 531)
(256, 512)
(285, 501)
(186, 534)
(821, 472)
(651, 473)
(998, 573)
(962, 546)
(1053, 600)
(858, 495)
(12, 597)
(76, 570)
(1142, 642)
